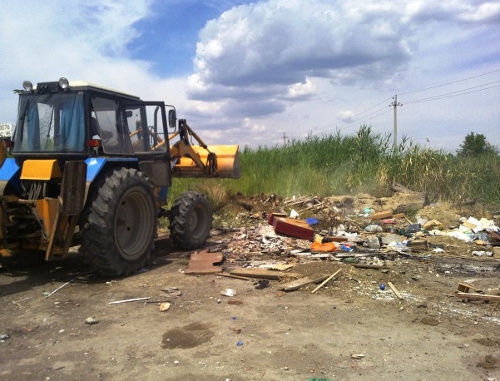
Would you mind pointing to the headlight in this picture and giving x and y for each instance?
(28, 86)
(63, 83)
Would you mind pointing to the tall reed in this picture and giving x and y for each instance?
(365, 162)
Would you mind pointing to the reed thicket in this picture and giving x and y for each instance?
(366, 162)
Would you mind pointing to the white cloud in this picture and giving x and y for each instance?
(301, 90)
(271, 67)
(78, 39)
(346, 116)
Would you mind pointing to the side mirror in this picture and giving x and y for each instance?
(172, 118)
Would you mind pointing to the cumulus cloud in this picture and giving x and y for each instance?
(278, 44)
(270, 52)
(80, 39)
(261, 69)
(346, 116)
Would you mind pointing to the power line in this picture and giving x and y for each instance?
(455, 93)
(380, 111)
(378, 104)
(451, 83)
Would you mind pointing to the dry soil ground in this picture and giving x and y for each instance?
(258, 334)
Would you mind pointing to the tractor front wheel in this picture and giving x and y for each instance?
(120, 228)
(191, 220)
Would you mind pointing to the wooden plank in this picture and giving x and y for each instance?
(395, 290)
(326, 281)
(372, 267)
(299, 283)
(381, 215)
(464, 287)
(203, 263)
(233, 276)
(263, 273)
(474, 296)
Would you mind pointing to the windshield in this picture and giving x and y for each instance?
(51, 123)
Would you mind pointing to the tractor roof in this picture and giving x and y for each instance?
(82, 85)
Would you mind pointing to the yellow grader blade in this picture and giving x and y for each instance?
(226, 160)
(202, 160)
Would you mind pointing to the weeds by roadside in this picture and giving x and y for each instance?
(366, 162)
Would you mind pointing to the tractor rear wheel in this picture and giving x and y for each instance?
(120, 225)
(191, 220)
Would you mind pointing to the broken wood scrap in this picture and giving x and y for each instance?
(381, 215)
(130, 300)
(373, 267)
(299, 283)
(395, 290)
(263, 273)
(310, 207)
(464, 287)
(475, 296)
(298, 200)
(233, 276)
(203, 263)
(326, 281)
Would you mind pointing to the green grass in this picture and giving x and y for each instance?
(340, 164)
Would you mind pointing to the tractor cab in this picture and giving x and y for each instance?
(79, 120)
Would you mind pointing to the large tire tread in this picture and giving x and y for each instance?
(99, 242)
(183, 234)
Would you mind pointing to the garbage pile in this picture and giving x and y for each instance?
(334, 231)
(303, 241)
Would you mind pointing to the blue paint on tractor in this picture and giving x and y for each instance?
(9, 169)
(95, 165)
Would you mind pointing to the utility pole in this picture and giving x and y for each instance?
(395, 104)
(284, 138)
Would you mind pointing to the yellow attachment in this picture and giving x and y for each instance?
(228, 163)
(40, 170)
(47, 210)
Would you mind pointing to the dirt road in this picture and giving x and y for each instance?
(258, 334)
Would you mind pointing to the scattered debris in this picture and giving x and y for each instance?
(130, 300)
(291, 227)
(263, 273)
(326, 280)
(91, 320)
(430, 321)
(203, 263)
(261, 284)
(357, 356)
(474, 296)
(64, 285)
(165, 306)
(228, 292)
(234, 276)
(172, 291)
(299, 283)
(482, 253)
(395, 290)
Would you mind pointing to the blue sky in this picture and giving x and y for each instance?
(258, 73)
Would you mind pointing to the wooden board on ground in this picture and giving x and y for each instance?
(464, 287)
(374, 267)
(381, 215)
(263, 273)
(473, 296)
(299, 283)
(203, 263)
(326, 280)
(395, 290)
